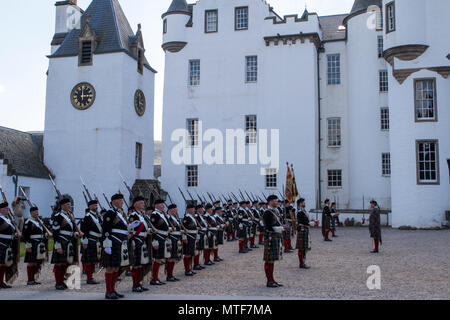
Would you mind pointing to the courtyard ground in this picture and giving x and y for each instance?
(413, 264)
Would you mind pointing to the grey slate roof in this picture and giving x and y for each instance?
(178, 6)
(21, 152)
(361, 5)
(111, 27)
(330, 25)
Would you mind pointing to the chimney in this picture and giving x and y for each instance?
(68, 16)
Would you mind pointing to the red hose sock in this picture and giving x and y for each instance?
(30, 273)
(155, 271)
(197, 260)
(207, 255)
(252, 241)
(170, 267)
(266, 270)
(326, 234)
(300, 257)
(241, 245)
(216, 253)
(377, 242)
(136, 275)
(90, 268)
(108, 282)
(261, 235)
(271, 267)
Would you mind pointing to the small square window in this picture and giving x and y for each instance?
(334, 178)
(192, 128)
(271, 178)
(390, 17)
(192, 176)
(380, 47)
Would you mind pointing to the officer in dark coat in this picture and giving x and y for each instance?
(162, 246)
(91, 226)
(302, 232)
(34, 235)
(65, 237)
(201, 236)
(272, 240)
(211, 235)
(175, 237)
(190, 239)
(116, 235)
(243, 228)
(375, 225)
(7, 233)
(334, 219)
(326, 220)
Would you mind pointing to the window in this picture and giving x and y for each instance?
(211, 21)
(380, 46)
(138, 156)
(241, 18)
(334, 69)
(251, 71)
(192, 176)
(386, 164)
(384, 119)
(390, 17)
(384, 81)
(427, 158)
(334, 132)
(271, 178)
(194, 72)
(192, 128)
(86, 52)
(425, 99)
(334, 178)
(250, 129)
(165, 26)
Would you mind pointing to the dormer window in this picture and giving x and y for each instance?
(86, 53)
(86, 45)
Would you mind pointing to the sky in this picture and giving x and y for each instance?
(28, 28)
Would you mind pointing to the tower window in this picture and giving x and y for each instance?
(334, 68)
(251, 74)
(334, 178)
(427, 158)
(390, 17)
(194, 72)
(271, 178)
(192, 128)
(86, 53)
(380, 46)
(383, 81)
(192, 176)
(384, 119)
(386, 164)
(211, 21)
(165, 26)
(425, 99)
(241, 18)
(138, 156)
(250, 129)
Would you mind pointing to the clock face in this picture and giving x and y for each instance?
(83, 96)
(139, 102)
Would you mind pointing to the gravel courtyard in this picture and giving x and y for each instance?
(414, 265)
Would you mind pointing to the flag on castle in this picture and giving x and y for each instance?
(291, 191)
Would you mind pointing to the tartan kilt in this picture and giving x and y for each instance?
(210, 240)
(219, 240)
(177, 248)
(114, 259)
(303, 239)
(229, 228)
(201, 242)
(333, 223)
(287, 233)
(30, 257)
(137, 252)
(242, 233)
(62, 258)
(4, 246)
(161, 252)
(90, 254)
(272, 246)
(253, 228)
(189, 247)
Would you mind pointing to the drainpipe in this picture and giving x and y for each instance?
(320, 50)
(15, 179)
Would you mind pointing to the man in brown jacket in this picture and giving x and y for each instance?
(375, 225)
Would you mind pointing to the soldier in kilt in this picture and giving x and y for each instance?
(326, 220)
(162, 246)
(116, 235)
(211, 234)
(141, 256)
(287, 232)
(302, 232)
(235, 218)
(7, 234)
(253, 213)
(272, 241)
(201, 237)
(218, 215)
(334, 219)
(375, 226)
(190, 239)
(177, 247)
(91, 249)
(243, 228)
(262, 209)
(64, 251)
(36, 248)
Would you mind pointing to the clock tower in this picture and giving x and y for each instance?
(99, 104)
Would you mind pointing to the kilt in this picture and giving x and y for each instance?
(89, 255)
(333, 222)
(219, 239)
(272, 246)
(114, 259)
(31, 257)
(325, 222)
(189, 247)
(67, 250)
(137, 252)
(159, 253)
(210, 240)
(201, 242)
(303, 239)
(253, 228)
(229, 227)
(177, 248)
(287, 233)
(243, 233)
(4, 246)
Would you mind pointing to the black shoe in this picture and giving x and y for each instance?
(156, 283)
(92, 282)
(288, 251)
(202, 267)
(304, 266)
(5, 286)
(171, 279)
(248, 249)
(65, 285)
(137, 289)
(176, 279)
(128, 274)
(278, 284)
(261, 243)
(209, 263)
(198, 267)
(111, 296)
(272, 285)
(193, 272)
(189, 274)
(120, 296)
(33, 283)
(374, 251)
(254, 247)
(242, 251)
(334, 236)
(327, 240)
(217, 260)
(144, 288)
(60, 287)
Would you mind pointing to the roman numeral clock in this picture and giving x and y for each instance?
(139, 102)
(83, 96)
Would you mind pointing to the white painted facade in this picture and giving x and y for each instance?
(286, 97)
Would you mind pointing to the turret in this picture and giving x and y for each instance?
(175, 21)
(67, 17)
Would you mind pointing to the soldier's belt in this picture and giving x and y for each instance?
(192, 231)
(6, 236)
(119, 231)
(142, 234)
(203, 229)
(212, 229)
(176, 233)
(95, 234)
(164, 233)
(66, 233)
(36, 236)
(245, 220)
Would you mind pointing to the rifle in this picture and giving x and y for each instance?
(242, 196)
(199, 198)
(252, 199)
(124, 200)
(182, 194)
(38, 219)
(107, 201)
(85, 199)
(234, 196)
(99, 203)
(170, 198)
(190, 195)
(86, 189)
(210, 197)
(10, 214)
